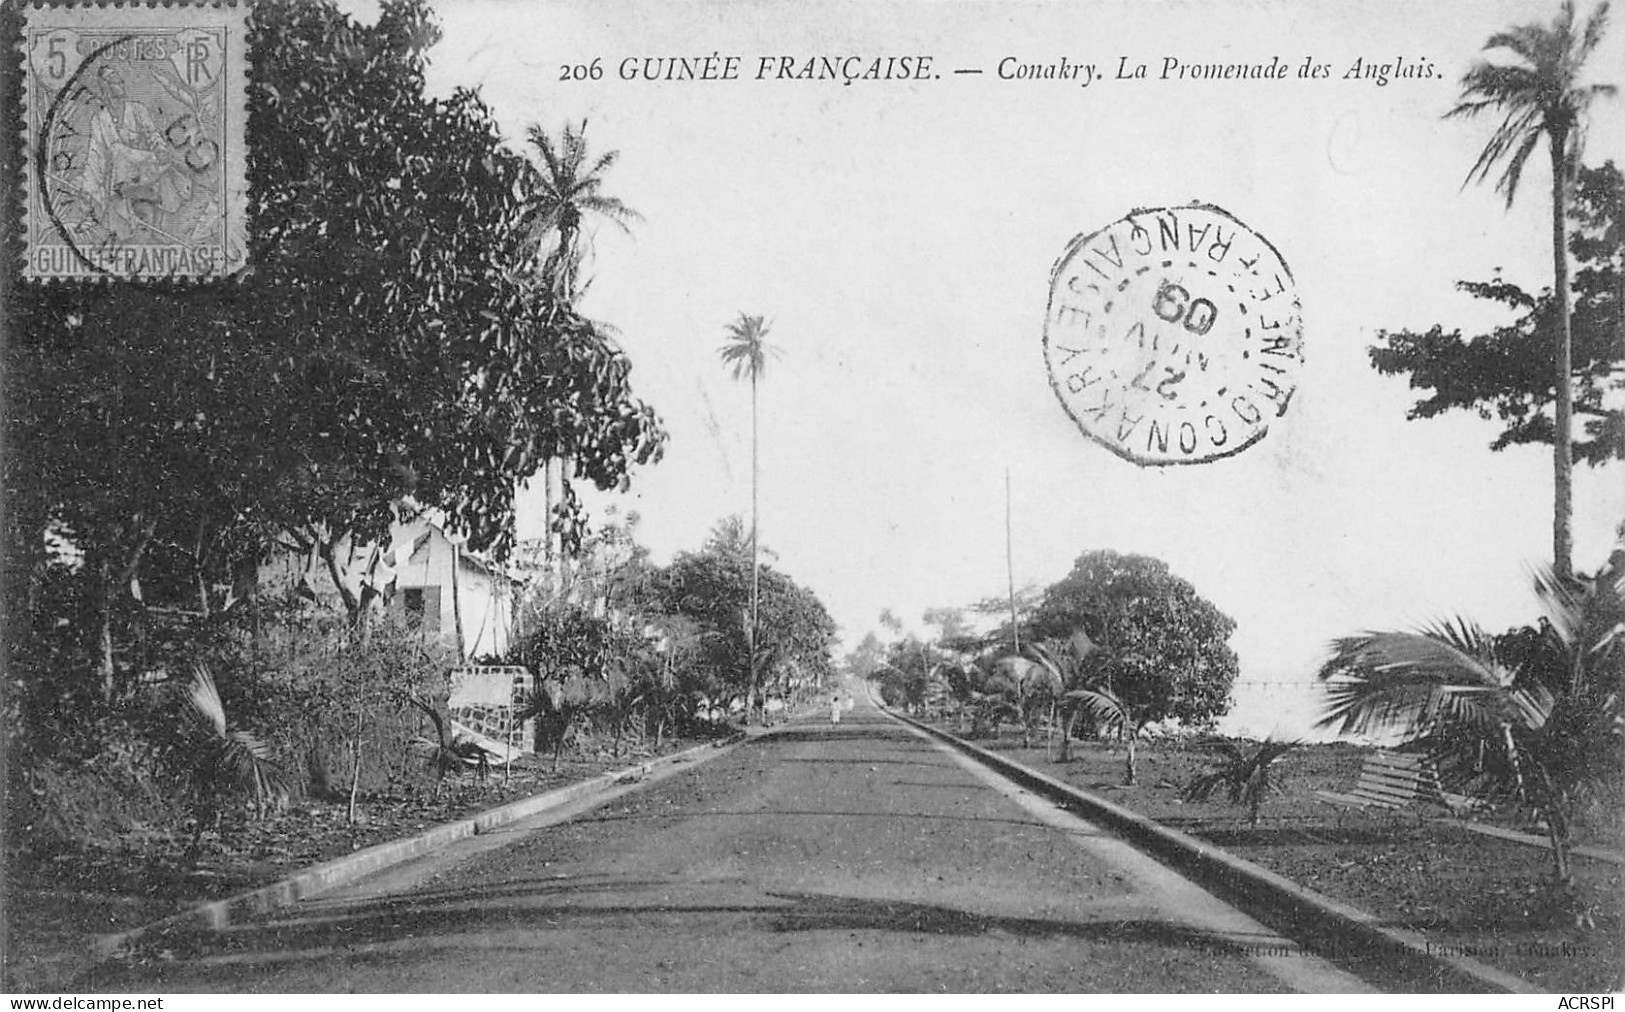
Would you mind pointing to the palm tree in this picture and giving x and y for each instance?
(1072, 664)
(1245, 775)
(1052, 669)
(747, 352)
(1540, 97)
(1542, 725)
(221, 760)
(556, 703)
(567, 192)
(1113, 715)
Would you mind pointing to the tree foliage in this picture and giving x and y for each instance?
(1540, 96)
(1247, 775)
(1505, 374)
(1535, 715)
(1166, 646)
(392, 338)
(568, 191)
(712, 588)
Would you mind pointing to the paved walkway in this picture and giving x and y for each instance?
(1531, 840)
(862, 857)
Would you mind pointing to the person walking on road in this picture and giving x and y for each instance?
(835, 710)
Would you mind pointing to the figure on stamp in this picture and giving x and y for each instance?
(130, 172)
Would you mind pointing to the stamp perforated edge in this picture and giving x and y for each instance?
(233, 15)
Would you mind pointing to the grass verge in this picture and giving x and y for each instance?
(61, 898)
(1465, 892)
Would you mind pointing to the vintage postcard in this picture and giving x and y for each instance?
(134, 139)
(1061, 496)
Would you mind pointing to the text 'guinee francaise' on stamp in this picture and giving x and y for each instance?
(1173, 335)
(134, 136)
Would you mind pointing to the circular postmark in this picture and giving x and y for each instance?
(1173, 335)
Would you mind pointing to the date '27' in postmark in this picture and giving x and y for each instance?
(1173, 335)
(134, 137)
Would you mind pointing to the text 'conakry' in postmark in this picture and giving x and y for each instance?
(1173, 335)
(134, 136)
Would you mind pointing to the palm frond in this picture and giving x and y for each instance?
(1109, 713)
(747, 349)
(1406, 683)
(1596, 25)
(613, 209)
(227, 758)
(1507, 185)
(1538, 91)
(204, 700)
(1244, 775)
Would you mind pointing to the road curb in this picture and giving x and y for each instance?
(216, 915)
(1302, 913)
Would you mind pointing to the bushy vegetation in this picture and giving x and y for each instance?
(231, 714)
(397, 338)
(1118, 644)
(632, 650)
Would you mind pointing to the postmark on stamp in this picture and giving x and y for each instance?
(1173, 335)
(134, 140)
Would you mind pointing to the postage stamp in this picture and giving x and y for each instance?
(1173, 335)
(135, 142)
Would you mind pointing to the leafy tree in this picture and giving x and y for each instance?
(988, 693)
(674, 686)
(337, 694)
(909, 667)
(388, 341)
(1505, 374)
(864, 659)
(730, 536)
(613, 570)
(1536, 717)
(950, 625)
(1540, 98)
(1026, 597)
(1167, 645)
(747, 352)
(712, 588)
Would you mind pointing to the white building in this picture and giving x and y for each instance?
(422, 574)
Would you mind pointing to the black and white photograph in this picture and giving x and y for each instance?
(593, 497)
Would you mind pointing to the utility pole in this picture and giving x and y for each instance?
(1009, 566)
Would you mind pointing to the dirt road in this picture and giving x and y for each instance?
(857, 857)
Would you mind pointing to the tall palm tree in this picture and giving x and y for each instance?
(567, 191)
(1540, 97)
(1542, 725)
(747, 352)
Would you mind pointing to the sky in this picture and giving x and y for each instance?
(899, 236)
